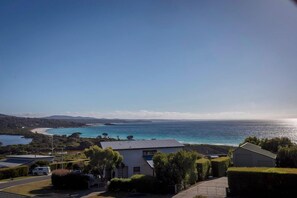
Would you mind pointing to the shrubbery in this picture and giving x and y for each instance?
(176, 168)
(19, 171)
(138, 183)
(220, 166)
(64, 179)
(262, 182)
(287, 157)
(203, 168)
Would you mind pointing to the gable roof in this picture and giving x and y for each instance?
(257, 149)
(141, 144)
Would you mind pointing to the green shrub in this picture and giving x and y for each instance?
(203, 168)
(64, 179)
(219, 166)
(262, 182)
(19, 171)
(138, 183)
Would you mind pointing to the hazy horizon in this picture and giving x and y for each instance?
(208, 60)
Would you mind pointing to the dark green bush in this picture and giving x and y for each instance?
(203, 168)
(19, 171)
(138, 183)
(64, 179)
(219, 166)
(262, 182)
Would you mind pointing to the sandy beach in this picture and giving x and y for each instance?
(41, 131)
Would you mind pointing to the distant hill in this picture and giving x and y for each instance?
(90, 120)
(12, 122)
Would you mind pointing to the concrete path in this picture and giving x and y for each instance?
(23, 181)
(215, 188)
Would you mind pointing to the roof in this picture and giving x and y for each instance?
(257, 149)
(28, 156)
(13, 162)
(141, 144)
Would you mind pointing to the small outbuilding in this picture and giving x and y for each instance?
(251, 155)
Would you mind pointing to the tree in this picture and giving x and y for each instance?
(176, 168)
(75, 135)
(275, 144)
(253, 140)
(103, 159)
(130, 137)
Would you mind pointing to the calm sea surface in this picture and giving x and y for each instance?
(14, 139)
(200, 132)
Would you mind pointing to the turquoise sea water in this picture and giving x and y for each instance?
(200, 132)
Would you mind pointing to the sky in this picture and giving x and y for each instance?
(164, 59)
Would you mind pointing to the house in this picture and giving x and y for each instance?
(19, 160)
(138, 154)
(251, 155)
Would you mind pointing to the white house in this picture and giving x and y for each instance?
(251, 155)
(138, 154)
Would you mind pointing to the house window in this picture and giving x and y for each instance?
(149, 152)
(136, 170)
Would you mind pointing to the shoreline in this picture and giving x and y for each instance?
(42, 131)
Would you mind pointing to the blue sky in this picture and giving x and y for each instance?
(149, 59)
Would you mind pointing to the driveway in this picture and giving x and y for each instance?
(215, 188)
(23, 181)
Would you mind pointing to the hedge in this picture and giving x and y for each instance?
(64, 179)
(203, 168)
(220, 166)
(18, 171)
(138, 183)
(265, 182)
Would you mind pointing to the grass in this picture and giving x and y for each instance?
(16, 178)
(30, 188)
(127, 194)
(264, 169)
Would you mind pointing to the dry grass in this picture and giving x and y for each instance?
(264, 169)
(30, 188)
(126, 194)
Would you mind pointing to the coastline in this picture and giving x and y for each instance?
(42, 131)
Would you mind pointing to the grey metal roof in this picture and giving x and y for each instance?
(257, 149)
(13, 162)
(141, 144)
(29, 156)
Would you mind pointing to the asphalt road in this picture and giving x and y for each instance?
(23, 181)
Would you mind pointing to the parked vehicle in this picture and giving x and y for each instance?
(45, 170)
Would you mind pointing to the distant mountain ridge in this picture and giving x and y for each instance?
(91, 120)
(13, 122)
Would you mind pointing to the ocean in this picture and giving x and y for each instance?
(195, 132)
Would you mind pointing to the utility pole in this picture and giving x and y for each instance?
(62, 157)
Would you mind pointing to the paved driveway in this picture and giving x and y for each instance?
(215, 188)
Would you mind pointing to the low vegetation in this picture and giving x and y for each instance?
(220, 166)
(6, 173)
(64, 179)
(203, 168)
(176, 168)
(262, 182)
(137, 183)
